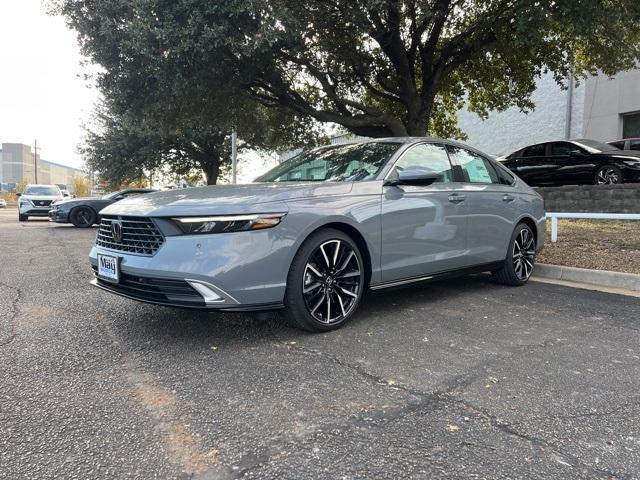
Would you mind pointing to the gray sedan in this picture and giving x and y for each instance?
(320, 230)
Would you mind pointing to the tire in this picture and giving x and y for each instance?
(520, 260)
(82, 217)
(23, 218)
(326, 282)
(608, 175)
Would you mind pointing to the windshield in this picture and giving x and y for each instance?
(341, 163)
(593, 146)
(112, 194)
(51, 191)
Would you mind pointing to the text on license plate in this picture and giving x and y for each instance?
(108, 267)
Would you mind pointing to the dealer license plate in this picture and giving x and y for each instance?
(109, 268)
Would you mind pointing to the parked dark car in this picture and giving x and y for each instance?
(84, 212)
(574, 162)
(626, 144)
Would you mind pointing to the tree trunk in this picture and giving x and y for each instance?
(211, 168)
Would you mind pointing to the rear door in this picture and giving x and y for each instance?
(533, 165)
(424, 228)
(491, 206)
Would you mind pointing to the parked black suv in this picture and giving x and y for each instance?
(574, 162)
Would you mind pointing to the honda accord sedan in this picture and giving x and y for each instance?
(322, 229)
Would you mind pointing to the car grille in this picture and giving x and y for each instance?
(155, 290)
(41, 203)
(140, 236)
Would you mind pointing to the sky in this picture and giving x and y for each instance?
(43, 94)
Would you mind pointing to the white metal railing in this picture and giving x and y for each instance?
(554, 216)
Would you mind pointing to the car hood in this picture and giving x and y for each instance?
(224, 199)
(71, 201)
(629, 154)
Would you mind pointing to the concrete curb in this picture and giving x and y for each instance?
(605, 278)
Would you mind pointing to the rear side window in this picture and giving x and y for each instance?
(535, 150)
(476, 169)
(504, 175)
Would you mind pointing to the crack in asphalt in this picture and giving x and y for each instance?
(433, 400)
(541, 443)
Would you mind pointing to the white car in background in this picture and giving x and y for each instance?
(3, 203)
(36, 200)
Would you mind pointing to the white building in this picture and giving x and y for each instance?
(599, 108)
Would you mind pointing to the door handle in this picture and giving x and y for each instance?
(507, 198)
(457, 198)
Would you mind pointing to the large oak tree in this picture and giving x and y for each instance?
(375, 67)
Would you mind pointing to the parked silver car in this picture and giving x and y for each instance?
(319, 230)
(36, 200)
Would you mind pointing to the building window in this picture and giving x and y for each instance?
(631, 125)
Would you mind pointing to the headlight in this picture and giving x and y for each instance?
(25, 202)
(229, 223)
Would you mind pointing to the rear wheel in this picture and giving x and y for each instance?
(82, 217)
(521, 257)
(23, 218)
(326, 282)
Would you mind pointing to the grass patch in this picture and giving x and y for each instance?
(595, 244)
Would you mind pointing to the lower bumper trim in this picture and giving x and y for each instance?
(210, 307)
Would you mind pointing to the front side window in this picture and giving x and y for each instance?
(535, 151)
(431, 156)
(341, 163)
(562, 149)
(634, 145)
(43, 190)
(476, 169)
(619, 144)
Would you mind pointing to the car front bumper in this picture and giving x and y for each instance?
(244, 270)
(35, 211)
(59, 216)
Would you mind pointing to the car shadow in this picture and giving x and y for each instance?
(162, 326)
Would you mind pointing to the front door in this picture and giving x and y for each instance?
(574, 165)
(424, 228)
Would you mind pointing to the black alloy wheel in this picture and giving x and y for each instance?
(608, 175)
(326, 281)
(82, 217)
(521, 257)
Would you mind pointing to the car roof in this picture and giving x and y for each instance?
(410, 140)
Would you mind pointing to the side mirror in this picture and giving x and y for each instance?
(420, 176)
(18, 194)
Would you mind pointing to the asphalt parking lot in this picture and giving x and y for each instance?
(458, 379)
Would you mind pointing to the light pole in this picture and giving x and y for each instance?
(234, 155)
(35, 158)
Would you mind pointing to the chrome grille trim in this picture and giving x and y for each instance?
(140, 236)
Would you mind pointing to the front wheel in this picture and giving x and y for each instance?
(521, 257)
(326, 282)
(608, 175)
(82, 217)
(23, 218)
